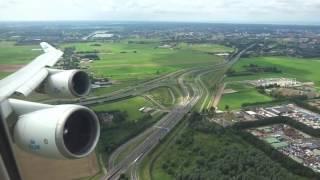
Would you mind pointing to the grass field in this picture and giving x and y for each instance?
(15, 55)
(132, 107)
(208, 48)
(163, 96)
(302, 69)
(3, 74)
(11, 54)
(123, 61)
(245, 94)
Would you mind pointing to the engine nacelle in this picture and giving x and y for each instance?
(68, 83)
(61, 132)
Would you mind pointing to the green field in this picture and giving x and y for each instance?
(209, 48)
(217, 154)
(245, 94)
(302, 69)
(15, 55)
(3, 74)
(131, 106)
(163, 96)
(11, 54)
(124, 61)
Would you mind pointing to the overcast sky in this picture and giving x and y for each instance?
(243, 11)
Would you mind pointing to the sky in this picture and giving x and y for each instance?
(222, 11)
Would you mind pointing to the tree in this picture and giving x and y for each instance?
(227, 108)
(212, 111)
(123, 177)
(70, 61)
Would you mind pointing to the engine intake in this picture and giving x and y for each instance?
(77, 134)
(80, 83)
(61, 132)
(69, 83)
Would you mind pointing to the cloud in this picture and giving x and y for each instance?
(165, 10)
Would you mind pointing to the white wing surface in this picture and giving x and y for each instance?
(28, 78)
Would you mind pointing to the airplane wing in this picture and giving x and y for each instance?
(64, 131)
(28, 78)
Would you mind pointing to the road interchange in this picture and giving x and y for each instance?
(149, 139)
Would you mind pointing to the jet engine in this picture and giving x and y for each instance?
(60, 132)
(68, 83)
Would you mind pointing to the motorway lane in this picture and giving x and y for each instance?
(167, 123)
(199, 92)
(143, 135)
(138, 138)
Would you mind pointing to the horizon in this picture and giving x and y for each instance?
(219, 11)
(164, 22)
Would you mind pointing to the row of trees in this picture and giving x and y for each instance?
(260, 69)
(71, 58)
(253, 69)
(282, 99)
(70, 61)
(302, 103)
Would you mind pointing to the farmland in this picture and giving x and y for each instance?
(11, 54)
(244, 94)
(299, 68)
(13, 57)
(3, 74)
(208, 48)
(123, 62)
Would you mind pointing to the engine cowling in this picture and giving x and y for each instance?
(69, 83)
(60, 132)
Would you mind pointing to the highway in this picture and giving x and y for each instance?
(158, 125)
(150, 138)
(152, 135)
(158, 131)
(145, 87)
(199, 89)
